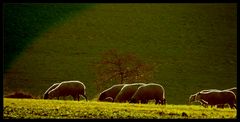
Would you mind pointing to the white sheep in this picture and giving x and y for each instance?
(66, 88)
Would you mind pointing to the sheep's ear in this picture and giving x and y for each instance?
(197, 94)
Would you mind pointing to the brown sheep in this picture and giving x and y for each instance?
(45, 95)
(66, 88)
(127, 91)
(234, 89)
(110, 92)
(192, 97)
(217, 97)
(149, 92)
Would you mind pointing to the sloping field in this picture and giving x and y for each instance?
(23, 22)
(193, 45)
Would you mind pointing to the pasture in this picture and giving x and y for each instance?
(193, 45)
(68, 109)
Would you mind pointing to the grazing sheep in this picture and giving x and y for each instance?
(219, 105)
(192, 97)
(217, 97)
(66, 88)
(45, 95)
(127, 91)
(110, 92)
(148, 92)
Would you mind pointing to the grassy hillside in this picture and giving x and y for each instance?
(23, 22)
(193, 45)
(59, 109)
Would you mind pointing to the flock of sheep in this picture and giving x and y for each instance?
(134, 93)
(140, 92)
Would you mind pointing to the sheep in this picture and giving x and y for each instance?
(219, 105)
(127, 91)
(192, 97)
(217, 97)
(148, 92)
(110, 92)
(45, 95)
(66, 88)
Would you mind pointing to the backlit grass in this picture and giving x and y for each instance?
(38, 108)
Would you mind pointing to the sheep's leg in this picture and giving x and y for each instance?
(113, 99)
(220, 106)
(86, 97)
(164, 101)
(144, 101)
(232, 105)
(78, 97)
(157, 101)
(74, 97)
(204, 103)
(161, 101)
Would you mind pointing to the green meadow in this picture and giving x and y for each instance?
(23, 22)
(194, 47)
(63, 109)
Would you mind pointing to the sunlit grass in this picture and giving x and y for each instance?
(39, 108)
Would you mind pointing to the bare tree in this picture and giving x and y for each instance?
(121, 68)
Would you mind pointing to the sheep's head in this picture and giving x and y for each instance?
(133, 100)
(198, 96)
(192, 99)
(51, 95)
(102, 96)
(45, 96)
